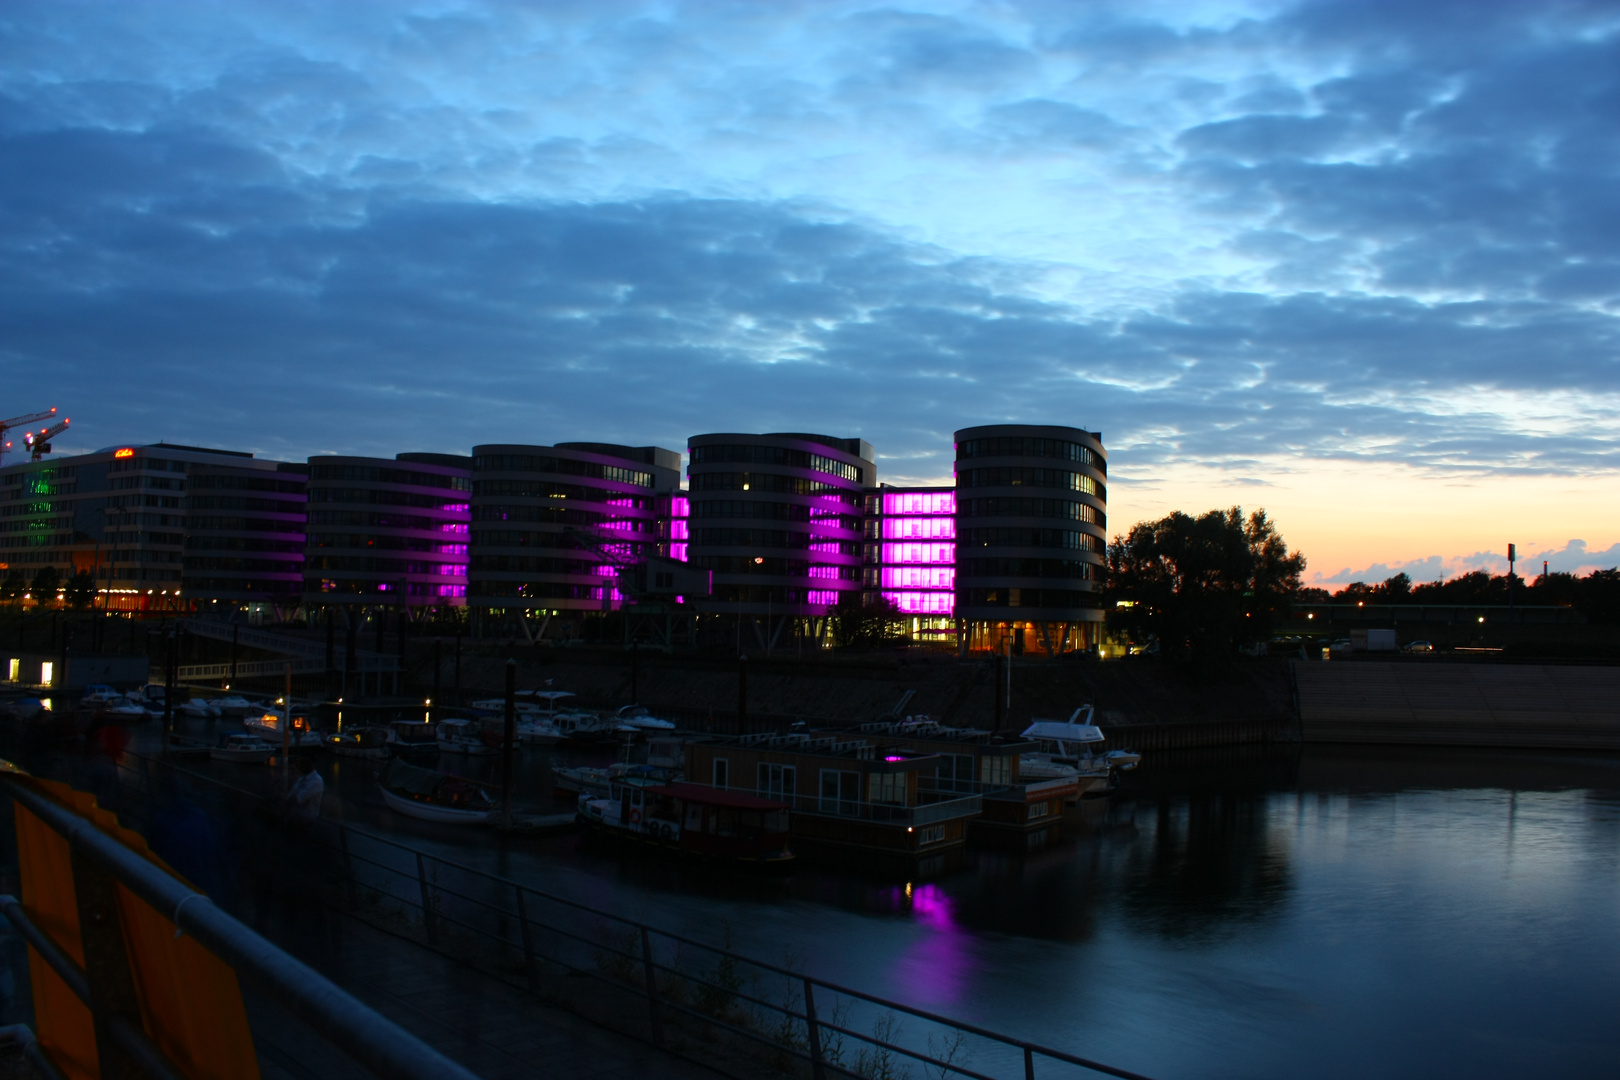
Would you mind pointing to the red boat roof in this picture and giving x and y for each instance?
(711, 796)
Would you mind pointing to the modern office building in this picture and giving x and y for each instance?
(244, 534)
(1031, 529)
(121, 515)
(778, 519)
(910, 556)
(388, 532)
(552, 526)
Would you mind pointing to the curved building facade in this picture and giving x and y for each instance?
(1031, 536)
(777, 518)
(527, 499)
(387, 532)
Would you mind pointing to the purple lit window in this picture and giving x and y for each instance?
(919, 577)
(919, 528)
(457, 508)
(452, 590)
(680, 506)
(678, 530)
(451, 549)
(923, 603)
(939, 554)
(824, 571)
(897, 503)
(677, 552)
(822, 596)
(459, 527)
(452, 570)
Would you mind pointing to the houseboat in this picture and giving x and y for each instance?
(1076, 744)
(457, 736)
(302, 736)
(361, 742)
(705, 822)
(412, 738)
(854, 794)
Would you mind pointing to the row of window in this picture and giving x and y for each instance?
(1020, 446)
(246, 483)
(242, 543)
(531, 564)
(136, 464)
(773, 594)
(1017, 536)
(254, 566)
(160, 483)
(1031, 598)
(1016, 476)
(775, 567)
(385, 520)
(559, 467)
(776, 484)
(243, 502)
(1012, 506)
(38, 476)
(201, 523)
(750, 454)
(536, 590)
(361, 563)
(526, 488)
(385, 543)
(382, 475)
(1073, 569)
(363, 496)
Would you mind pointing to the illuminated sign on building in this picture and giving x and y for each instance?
(124, 452)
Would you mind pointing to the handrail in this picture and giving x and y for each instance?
(371, 1039)
(1027, 1047)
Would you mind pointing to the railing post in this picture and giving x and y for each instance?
(528, 941)
(652, 989)
(1029, 1064)
(427, 907)
(818, 1070)
(350, 889)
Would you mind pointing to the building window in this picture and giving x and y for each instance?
(47, 672)
(840, 792)
(1039, 810)
(14, 670)
(930, 834)
(997, 770)
(776, 781)
(722, 771)
(886, 788)
(955, 772)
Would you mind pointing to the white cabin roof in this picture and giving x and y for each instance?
(1057, 731)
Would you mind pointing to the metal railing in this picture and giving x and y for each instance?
(688, 990)
(101, 861)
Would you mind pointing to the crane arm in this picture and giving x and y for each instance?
(31, 418)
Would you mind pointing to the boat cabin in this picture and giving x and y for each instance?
(409, 735)
(694, 819)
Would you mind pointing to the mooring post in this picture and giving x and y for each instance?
(652, 989)
(428, 927)
(818, 1070)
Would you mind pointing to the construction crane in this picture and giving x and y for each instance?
(640, 579)
(19, 421)
(39, 443)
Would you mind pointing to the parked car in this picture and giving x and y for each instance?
(1417, 647)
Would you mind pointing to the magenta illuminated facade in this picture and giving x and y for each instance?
(910, 555)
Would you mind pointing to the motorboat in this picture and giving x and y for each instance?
(583, 726)
(235, 706)
(197, 709)
(457, 736)
(692, 819)
(370, 743)
(303, 735)
(639, 718)
(26, 708)
(594, 780)
(434, 796)
(536, 732)
(122, 708)
(533, 704)
(1071, 749)
(242, 749)
(408, 738)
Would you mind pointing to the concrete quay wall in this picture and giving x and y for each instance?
(1509, 705)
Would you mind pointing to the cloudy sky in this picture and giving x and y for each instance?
(1357, 263)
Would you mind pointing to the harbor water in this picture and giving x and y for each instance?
(1270, 913)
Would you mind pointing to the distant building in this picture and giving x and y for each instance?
(552, 525)
(778, 519)
(244, 534)
(1031, 532)
(388, 532)
(121, 515)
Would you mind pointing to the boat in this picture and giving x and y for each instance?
(536, 732)
(1069, 749)
(639, 718)
(363, 742)
(434, 796)
(412, 737)
(532, 704)
(197, 709)
(582, 726)
(242, 749)
(234, 705)
(594, 780)
(122, 708)
(268, 726)
(692, 819)
(457, 736)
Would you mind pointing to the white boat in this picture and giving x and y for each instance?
(593, 781)
(234, 705)
(434, 796)
(531, 704)
(242, 749)
(457, 736)
(1068, 750)
(122, 708)
(370, 743)
(538, 733)
(580, 725)
(408, 737)
(268, 726)
(639, 718)
(197, 709)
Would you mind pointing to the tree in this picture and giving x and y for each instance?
(45, 584)
(1201, 585)
(14, 586)
(865, 621)
(81, 590)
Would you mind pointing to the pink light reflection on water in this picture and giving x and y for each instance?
(934, 970)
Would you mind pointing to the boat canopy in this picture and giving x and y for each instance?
(711, 796)
(1070, 731)
(403, 776)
